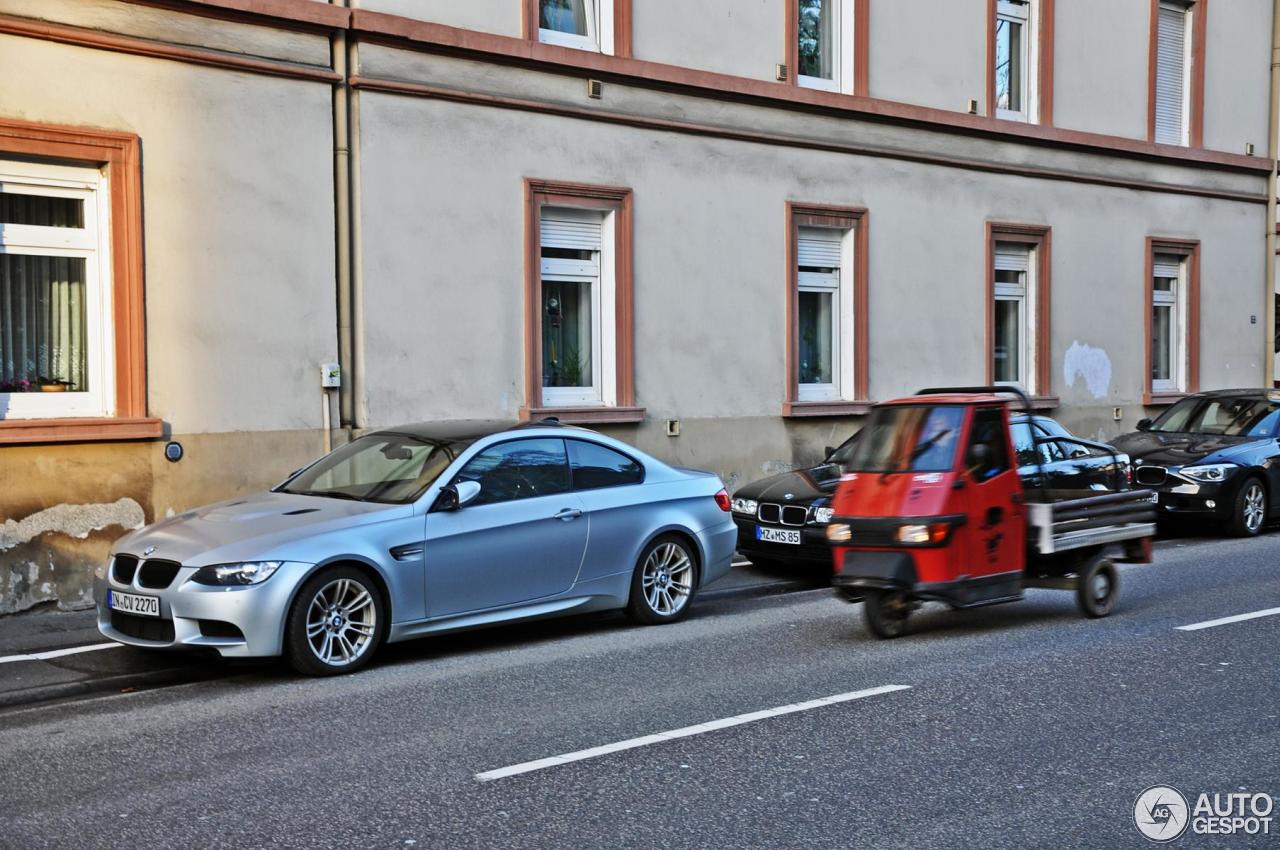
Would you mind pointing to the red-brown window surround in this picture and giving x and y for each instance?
(621, 24)
(861, 39)
(1195, 117)
(1190, 250)
(1040, 239)
(617, 200)
(856, 219)
(120, 154)
(1044, 63)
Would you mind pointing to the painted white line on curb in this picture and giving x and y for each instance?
(1208, 624)
(687, 731)
(57, 653)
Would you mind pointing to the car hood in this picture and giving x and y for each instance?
(1174, 449)
(803, 486)
(261, 526)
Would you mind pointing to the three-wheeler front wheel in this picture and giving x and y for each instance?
(886, 612)
(1097, 588)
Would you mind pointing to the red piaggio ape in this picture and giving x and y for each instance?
(933, 509)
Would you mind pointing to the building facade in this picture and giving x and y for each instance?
(718, 230)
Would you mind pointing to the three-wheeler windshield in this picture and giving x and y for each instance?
(909, 438)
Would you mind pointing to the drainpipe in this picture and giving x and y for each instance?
(1273, 152)
(359, 405)
(342, 222)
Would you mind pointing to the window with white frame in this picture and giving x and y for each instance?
(584, 24)
(1168, 322)
(1013, 350)
(55, 297)
(824, 32)
(1173, 66)
(1016, 58)
(824, 314)
(577, 291)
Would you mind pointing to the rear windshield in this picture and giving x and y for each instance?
(908, 438)
(1232, 417)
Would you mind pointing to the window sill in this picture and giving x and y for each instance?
(814, 409)
(1044, 402)
(1151, 399)
(17, 431)
(586, 415)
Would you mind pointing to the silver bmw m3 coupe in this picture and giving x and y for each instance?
(418, 530)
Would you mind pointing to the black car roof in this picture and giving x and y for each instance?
(463, 431)
(1243, 392)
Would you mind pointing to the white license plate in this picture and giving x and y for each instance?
(777, 535)
(132, 603)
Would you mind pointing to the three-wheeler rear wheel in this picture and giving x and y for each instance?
(887, 612)
(1097, 587)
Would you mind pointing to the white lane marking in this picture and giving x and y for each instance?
(57, 653)
(1208, 624)
(687, 731)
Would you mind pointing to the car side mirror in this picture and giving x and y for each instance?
(1144, 424)
(828, 451)
(455, 496)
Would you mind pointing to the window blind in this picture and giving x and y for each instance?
(1166, 265)
(817, 248)
(1012, 258)
(1171, 73)
(577, 234)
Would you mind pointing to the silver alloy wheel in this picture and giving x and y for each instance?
(667, 579)
(1255, 501)
(341, 622)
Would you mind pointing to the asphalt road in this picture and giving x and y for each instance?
(1022, 725)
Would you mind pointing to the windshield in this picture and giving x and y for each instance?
(391, 468)
(1231, 417)
(908, 438)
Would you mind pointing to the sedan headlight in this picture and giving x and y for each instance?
(822, 515)
(1210, 472)
(745, 506)
(237, 575)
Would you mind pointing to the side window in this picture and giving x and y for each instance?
(592, 465)
(1024, 444)
(987, 455)
(520, 469)
(1054, 451)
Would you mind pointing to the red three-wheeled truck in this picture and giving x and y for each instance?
(933, 509)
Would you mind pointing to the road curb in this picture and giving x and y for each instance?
(771, 588)
(89, 687)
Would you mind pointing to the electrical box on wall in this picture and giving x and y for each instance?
(330, 375)
(1117, 413)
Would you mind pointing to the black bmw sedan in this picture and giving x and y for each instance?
(782, 520)
(1214, 455)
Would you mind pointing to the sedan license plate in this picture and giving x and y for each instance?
(777, 535)
(132, 603)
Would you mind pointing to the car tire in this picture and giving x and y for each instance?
(1097, 588)
(336, 623)
(1249, 510)
(886, 612)
(664, 582)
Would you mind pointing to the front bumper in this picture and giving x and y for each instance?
(1179, 496)
(812, 549)
(236, 622)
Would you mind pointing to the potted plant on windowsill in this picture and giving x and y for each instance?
(17, 385)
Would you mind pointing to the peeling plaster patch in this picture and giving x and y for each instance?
(1090, 363)
(71, 520)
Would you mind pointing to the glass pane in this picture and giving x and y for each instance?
(815, 337)
(1008, 65)
(1162, 343)
(568, 16)
(817, 38)
(1009, 276)
(377, 468)
(1165, 284)
(1008, 341)
(41, 210)
(520, 469)
(43, 324)
(908, 438)
(566, 334)
(987, 430)
(595, 466)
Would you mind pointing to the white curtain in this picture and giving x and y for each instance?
(42, 321)
(568, 16)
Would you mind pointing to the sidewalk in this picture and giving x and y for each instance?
(50, 655)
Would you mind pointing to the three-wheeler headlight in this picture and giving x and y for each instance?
(839, 532)
(923, 534)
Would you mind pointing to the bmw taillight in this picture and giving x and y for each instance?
(722, 499)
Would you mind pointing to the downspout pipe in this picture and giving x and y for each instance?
(342, 223)
(1273, 153)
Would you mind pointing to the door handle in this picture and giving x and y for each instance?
(568, 513)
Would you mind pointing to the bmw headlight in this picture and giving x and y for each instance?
(237, 575)
(822, 516)
(1210, 472)
(745, 506)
